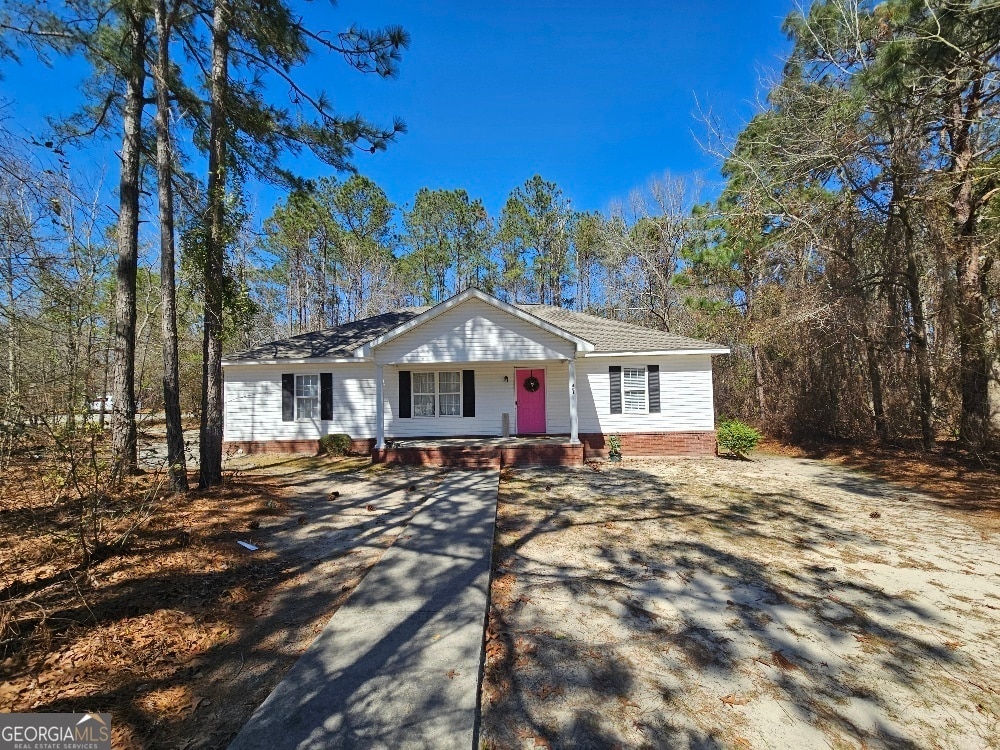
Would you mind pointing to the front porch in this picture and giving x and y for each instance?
(481, 452)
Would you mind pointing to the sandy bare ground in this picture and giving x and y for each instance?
(706, 603)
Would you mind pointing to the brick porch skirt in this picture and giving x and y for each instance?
(310, 447)
(595, 444)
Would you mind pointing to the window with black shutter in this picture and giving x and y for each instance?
(654, 388)
(615, 376)
(405, 394)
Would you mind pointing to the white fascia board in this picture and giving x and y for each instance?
(658, 353)
(365, 350)
(301, 361)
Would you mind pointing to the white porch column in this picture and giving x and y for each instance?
(574, 418)
(379, 410)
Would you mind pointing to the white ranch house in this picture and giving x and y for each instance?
(475, 367)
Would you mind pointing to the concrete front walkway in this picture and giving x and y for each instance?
(398, 665)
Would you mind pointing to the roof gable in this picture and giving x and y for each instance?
(581, 344)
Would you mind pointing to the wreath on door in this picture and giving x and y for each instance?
(531, 384)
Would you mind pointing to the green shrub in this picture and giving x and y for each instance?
(335, 445)
(615, 446)
(736, 437)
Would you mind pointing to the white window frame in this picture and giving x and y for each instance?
(644, 409)
(441, 393)
(436, 375)
(299, 397)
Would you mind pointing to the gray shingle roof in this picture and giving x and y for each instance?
(612, 335)
(606, 335)
(331, 342)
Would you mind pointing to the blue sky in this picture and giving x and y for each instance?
(598, 97)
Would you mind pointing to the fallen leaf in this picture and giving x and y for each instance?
(732, 700)
(952, 645)
(550, 690)
(452, 674)
(781, 661)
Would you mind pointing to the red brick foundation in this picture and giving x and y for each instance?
(532, 454)
(484, 457)
(542, 455)
(651, 444)
(311, 447)
(453, 457)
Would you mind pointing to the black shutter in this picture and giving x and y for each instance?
(405, 391)
(326, 396)
(615, 376)
(654, 388)
(288, 398)
(468, 393)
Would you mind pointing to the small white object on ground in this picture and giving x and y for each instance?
(251, 547)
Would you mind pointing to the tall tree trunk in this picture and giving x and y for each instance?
(12, 388)
(758, 375)
(971, 266)
(875, 381)
(176, 464)
(973, 355)
(899, 233)
(918, 336)
(123, 430)
(215, 248)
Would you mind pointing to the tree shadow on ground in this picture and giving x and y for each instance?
(735, 592)
(256, 612)
(956, 479)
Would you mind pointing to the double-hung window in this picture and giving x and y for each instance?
(307, 396)
(634, 392)
(437, 394)
(450, 394)
(424, 395)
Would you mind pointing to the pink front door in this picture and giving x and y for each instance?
(530, 401)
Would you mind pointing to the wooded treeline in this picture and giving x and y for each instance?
(848, 261)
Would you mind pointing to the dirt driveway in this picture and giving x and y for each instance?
(710, 603)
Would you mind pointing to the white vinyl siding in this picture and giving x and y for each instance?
(474, 332)
(686, 401)
(634, 390)
(306, 397)
(253, 402)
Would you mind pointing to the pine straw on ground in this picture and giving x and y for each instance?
(158, 632)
